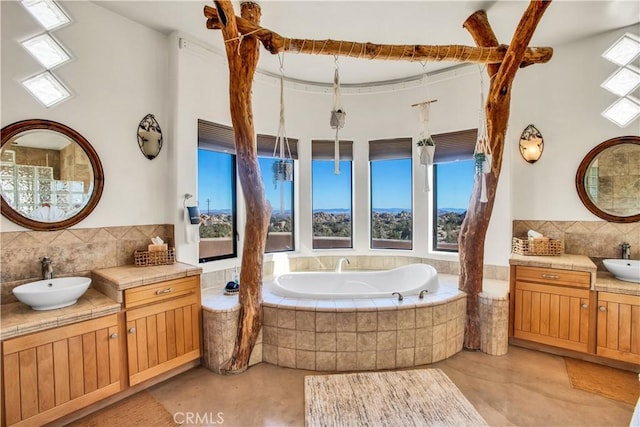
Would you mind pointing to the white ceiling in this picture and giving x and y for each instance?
(391, 22)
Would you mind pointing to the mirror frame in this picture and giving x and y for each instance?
(582, 171)
(10, 131)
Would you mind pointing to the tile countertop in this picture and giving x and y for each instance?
(112, 281)
(606, 282)
(564, 262)
(19, 319)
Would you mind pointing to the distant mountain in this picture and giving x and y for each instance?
(392, 210)
(454, 210)
(335, 211)
(217, 212)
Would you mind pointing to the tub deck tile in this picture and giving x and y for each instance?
(364, 304)
(326, 305)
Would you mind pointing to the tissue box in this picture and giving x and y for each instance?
(540, 246)
(157, 248)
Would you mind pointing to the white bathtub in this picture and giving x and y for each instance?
(408, 280)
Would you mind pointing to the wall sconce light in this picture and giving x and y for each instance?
(149, 137)
(531, 144)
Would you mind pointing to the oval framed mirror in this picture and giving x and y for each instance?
(51, 177)
(608, 180)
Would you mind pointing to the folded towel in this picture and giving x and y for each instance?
(534, 234)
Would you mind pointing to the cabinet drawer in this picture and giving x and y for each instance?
(157, 292)
(554, 276)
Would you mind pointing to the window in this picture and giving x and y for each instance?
(453, 177)
(280, 236)
(331, 194)
(391, 193)
(216, 192)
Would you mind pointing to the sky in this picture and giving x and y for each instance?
(391, 183)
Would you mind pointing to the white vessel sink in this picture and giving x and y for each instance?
(53, 293)
(624, 269)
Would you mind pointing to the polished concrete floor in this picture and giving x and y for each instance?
(522, 388)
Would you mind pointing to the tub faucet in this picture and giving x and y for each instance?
(626, 250)
(339, 263)
(47, 268)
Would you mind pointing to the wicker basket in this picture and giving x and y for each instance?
(541, 246)
(144, 258)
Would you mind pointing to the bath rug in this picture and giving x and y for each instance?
(140, 409)
(603, 380)
(420, 397)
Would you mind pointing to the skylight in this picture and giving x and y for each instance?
(622, 112)
(47, 13)
(624, 50)
(47, 89)
(622, 82)
(46, 50)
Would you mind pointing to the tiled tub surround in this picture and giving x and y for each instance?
(343, 335)
(596, 239)
(75, 252)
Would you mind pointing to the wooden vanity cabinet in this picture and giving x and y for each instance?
(164, 327)
(552, 307)
(618, 334)
(52, 373)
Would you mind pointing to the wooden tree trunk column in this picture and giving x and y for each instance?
(474, 227)
(242, 65)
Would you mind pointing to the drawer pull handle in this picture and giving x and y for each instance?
(602, 308)
(164, 291)
(114, 336)
(132, 330)
(550, 276)
(585, 305)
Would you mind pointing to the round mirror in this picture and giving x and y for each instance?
(50, 176)
(608, 180)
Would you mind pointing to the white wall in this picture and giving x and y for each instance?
(563, 98)
(118, 75)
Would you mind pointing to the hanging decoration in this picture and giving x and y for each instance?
(426, 145)
(482, 152)
(283, 166)
(337, 116)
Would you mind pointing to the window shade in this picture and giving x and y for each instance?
(217, 137)
(453, 146)
(266, 144)
(388, 149)
(323, 149)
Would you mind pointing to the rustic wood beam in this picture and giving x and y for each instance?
(275, 43)
(474, 227)
(242, 56)
(478, 26)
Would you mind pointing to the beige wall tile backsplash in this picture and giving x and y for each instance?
(596, 239)
(73, 251)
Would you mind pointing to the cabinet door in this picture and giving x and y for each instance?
(619, 327)
(52, 373)
(552, 315)
(163, 336)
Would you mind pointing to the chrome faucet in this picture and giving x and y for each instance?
(47, 268)
(339, 263)
(626, 250)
